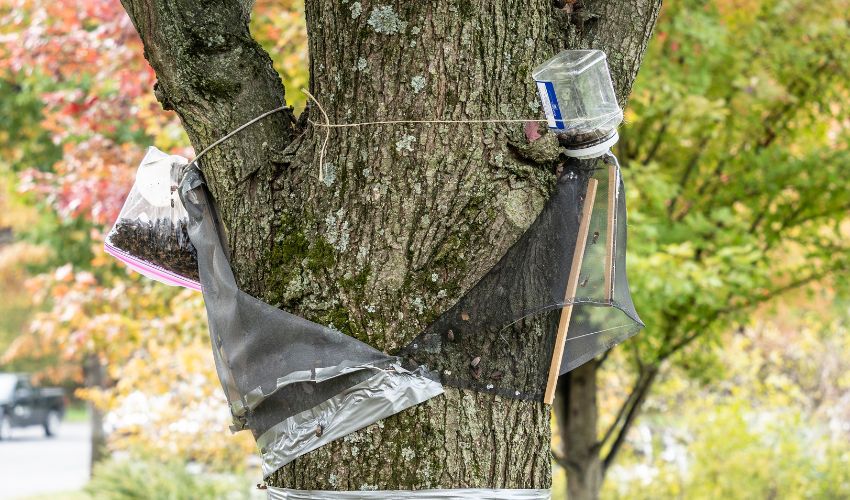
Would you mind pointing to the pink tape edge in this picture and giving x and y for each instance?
(151, 271)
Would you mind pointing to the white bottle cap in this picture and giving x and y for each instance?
(594, 150)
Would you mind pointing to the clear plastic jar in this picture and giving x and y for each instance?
(579, 101)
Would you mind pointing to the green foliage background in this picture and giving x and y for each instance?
(735, 162)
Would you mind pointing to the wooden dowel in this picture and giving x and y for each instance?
(569, 295)
(613, 184)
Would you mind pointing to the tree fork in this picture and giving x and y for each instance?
(399, 205)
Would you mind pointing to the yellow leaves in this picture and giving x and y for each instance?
(20, 347)
(281, 29)
(773, 424)
(162, 126)
(738, 12)
(630, 116)
(165, 396)
(168, 401)
(15, 256)
(95, 396)
(15, 302)
(14, 213)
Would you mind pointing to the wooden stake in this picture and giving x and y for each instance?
(613, 184)
(572, 286)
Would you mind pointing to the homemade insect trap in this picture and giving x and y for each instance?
(559, 297)
(579, 101)
(556, 299)
(150, 234)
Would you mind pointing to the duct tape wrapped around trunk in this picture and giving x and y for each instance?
(295, 384)
(436, 494)
(555, 300)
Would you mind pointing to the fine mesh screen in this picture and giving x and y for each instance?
(501, 335)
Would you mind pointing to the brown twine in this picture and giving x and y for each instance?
(231, 134)
(328, 125)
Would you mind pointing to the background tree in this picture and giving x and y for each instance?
(398, 203)
(768, 420)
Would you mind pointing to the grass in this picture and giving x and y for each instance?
(77, 413)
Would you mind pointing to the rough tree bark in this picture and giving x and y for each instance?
(399, 204)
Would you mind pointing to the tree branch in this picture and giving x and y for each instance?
(216, 77)
(621, 413)
(599, 24)
(687, 175)
(601, 359)
(656, 142)
(645, 382)
(719, 313)
(632, 405)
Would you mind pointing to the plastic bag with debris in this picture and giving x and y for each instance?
(150, 235)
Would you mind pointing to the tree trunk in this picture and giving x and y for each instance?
(577, 414)
(95, 377)
(408, 217)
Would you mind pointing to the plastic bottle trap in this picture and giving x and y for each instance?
(579, 101)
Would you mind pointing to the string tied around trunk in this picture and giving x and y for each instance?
(327, 125)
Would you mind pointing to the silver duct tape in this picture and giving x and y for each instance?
(253, 399)
(444, 494)
(385, 394)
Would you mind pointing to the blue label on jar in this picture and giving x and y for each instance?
(550, 105)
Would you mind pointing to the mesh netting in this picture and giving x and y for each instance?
(557, 298)
(500, 337)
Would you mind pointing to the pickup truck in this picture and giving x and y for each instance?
(22, 405)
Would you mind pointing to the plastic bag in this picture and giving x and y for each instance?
(150, 234)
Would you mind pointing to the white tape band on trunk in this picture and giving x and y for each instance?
(385, 394)
(458, 494)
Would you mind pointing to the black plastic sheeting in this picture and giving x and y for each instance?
(286, 378)
(273, 365)
(500, 336)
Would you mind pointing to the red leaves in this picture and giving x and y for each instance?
(98, 83)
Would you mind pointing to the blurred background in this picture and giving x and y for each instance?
(735, 158)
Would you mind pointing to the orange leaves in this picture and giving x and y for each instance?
(89, 60)
(167, 399)
(66, 39)
(165, 396)
(153, 340)
(84, 316)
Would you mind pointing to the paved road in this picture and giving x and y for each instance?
(31, 465)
